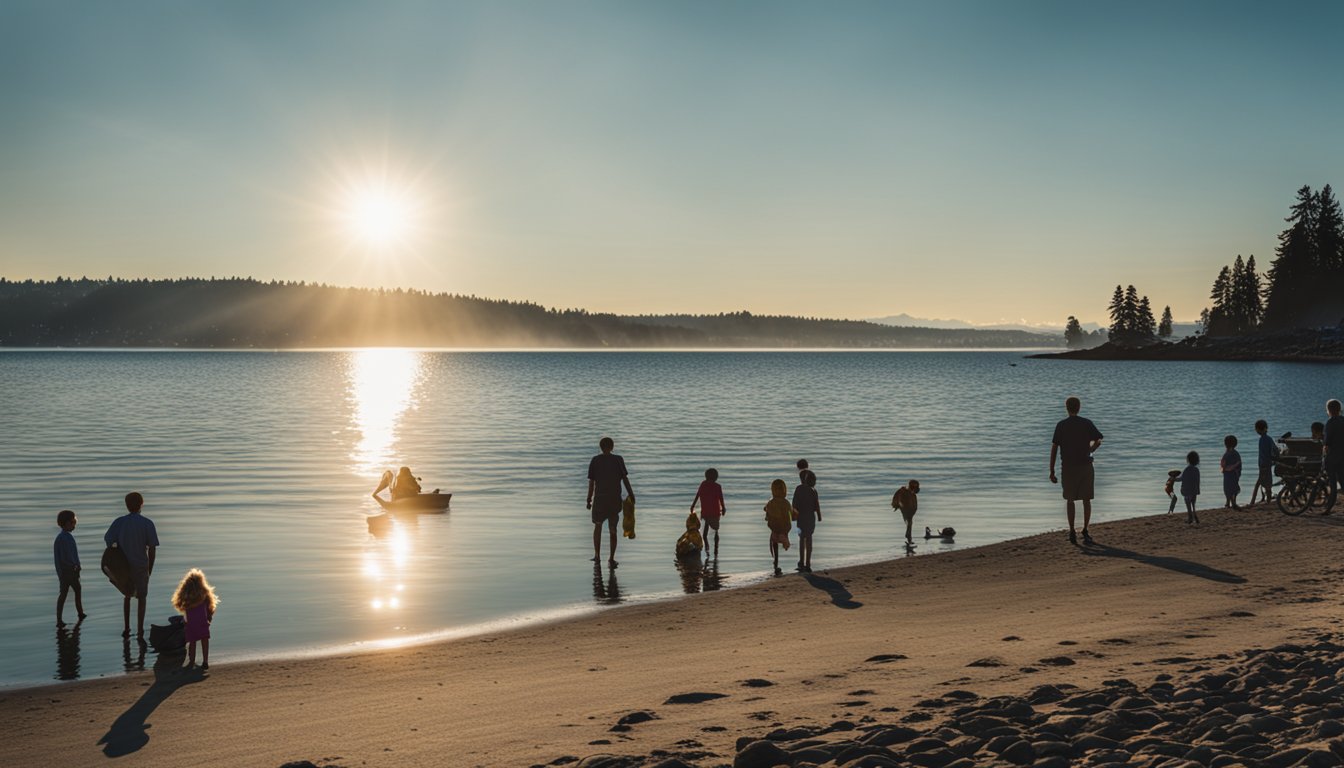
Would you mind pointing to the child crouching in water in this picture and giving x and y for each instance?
(195, 599)
(1189, 478)
(779, 516)
(691, 544)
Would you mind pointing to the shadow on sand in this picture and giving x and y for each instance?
(128, 733)
(840, 597)
(1176, 564)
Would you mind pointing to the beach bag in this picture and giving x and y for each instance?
(117, 569)
(628, 518)
(169, 638)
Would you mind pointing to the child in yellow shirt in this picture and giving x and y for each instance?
(779, 516)
(691, 543)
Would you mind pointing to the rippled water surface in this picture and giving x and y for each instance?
(257, 467)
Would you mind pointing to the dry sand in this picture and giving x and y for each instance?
(844, 656)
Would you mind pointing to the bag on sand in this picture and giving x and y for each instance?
(628, 518)
(117, 569)
(166, 639)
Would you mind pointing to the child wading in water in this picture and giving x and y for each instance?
(779, 516)
(906, 501)
(807, 511)
(195, 599)
(67, 565)
(1231, 466)
(1189, 478)
(710, 497)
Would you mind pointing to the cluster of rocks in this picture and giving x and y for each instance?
(1275, 708)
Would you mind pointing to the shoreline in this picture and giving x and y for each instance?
(866, 641)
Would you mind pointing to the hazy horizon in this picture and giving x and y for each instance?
(980, 161)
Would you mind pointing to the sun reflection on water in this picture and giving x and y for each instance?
(383, 385)
(387, 563)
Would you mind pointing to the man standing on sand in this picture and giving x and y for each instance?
(134, 535)
(606, 472)
(1074, 441)
(1333, 448)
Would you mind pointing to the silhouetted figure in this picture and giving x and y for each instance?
(405, 485)
(606, 474)
(710, 497)
(1230, 464)
(807, 513)
(67, 565)
(691, 543)
(1189, 479)
(67, 653)
(135, 536)
(1075, 439)
(1333, 449)
(779, 518)
(906, 501)
(1267, 451)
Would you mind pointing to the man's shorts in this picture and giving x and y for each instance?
(1076, 482)
(69, 578)
(606, 509)
(712, 522)
(139, 582)
(1266, 477)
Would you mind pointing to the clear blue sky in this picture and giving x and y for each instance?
(980, 160)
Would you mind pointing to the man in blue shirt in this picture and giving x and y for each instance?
(134, 535)
(1333, 448)
(1074, 441)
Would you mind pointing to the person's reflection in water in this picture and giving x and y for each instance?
(67, 653)
(380, 525)
(710, 579)
(134, 663)
(610, 592)
(690, 569)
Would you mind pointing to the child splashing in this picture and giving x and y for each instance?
(196, 600)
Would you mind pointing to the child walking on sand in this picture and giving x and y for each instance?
(67, 565)
(1268, 451)
(1231, 467)
(1170, 487)
(807, 511)
(710, 497)
(1189, 478)
(906, 501)
(195, 599)
(779, 516)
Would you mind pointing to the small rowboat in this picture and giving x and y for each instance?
(423, 503)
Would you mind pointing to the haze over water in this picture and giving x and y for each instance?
(257, 467)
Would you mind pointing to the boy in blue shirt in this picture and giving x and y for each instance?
(1269, 451)
(67, 565)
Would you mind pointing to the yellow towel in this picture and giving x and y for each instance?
(628, 519)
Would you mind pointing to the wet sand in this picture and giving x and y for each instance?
(1026, 652)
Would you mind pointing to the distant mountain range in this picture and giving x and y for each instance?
(903, 320)
(242, 313)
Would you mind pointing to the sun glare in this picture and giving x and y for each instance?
(380, 215)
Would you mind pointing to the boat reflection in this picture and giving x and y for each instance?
(608, 592)
(382, 388)
(67, 653)
(699, 575)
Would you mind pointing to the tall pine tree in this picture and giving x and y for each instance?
(1117, 312)
(1164, 327)
(1293, 271)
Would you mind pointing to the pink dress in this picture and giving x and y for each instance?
(198, 622)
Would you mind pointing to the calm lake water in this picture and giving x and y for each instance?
(257, 467)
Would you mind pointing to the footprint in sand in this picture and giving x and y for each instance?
(756, 682)
(988, 661)
(885, 658)
(1116, 641)
(1057, 661)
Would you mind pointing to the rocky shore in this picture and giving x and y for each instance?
(1275, 708)
(1308, 346)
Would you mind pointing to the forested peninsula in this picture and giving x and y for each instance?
(1294, 311)
(243, 313)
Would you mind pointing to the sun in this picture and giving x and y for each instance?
(381, 215)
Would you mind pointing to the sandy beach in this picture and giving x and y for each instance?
(964, 658)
